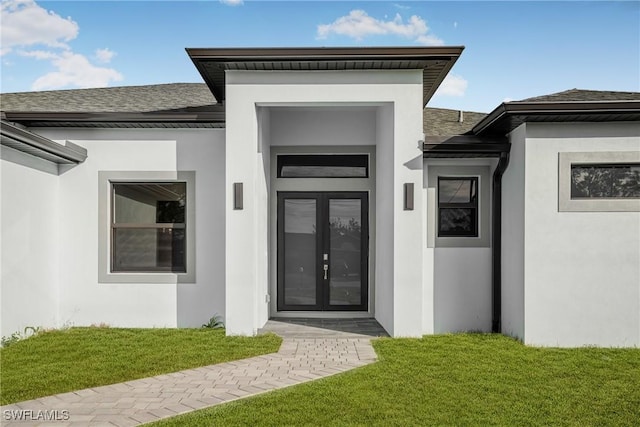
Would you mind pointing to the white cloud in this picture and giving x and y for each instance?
(358, 24)
(232, 2)
(452, 85)
(72, 70)
(429, 40)
(105, 55)
(401, 6)
(24, 23)
(507, 99)
(38, 54)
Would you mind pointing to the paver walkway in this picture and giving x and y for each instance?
(149, 399)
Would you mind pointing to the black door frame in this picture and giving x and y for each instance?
(322, 246)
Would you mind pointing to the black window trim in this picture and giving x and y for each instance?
(473, 205)
(614, 165)
(340, 159)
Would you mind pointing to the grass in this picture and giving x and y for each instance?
(468, 379)
(66, 360)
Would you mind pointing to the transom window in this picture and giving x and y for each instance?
(323, 166)
(148, 227)
(458, 206)
(602, 181)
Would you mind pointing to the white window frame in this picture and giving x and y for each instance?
(567, 204)
(105, 180)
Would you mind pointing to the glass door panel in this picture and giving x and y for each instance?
(300, 251)
(322, 251)
(345, 251)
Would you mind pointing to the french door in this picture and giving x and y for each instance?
(323, 247)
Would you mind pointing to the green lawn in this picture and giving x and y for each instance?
(469, 379)
(65, 360)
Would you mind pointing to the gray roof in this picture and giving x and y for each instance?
(138, 102)
(137, 99)
(443, 122)
(574, 105)
(579, 95)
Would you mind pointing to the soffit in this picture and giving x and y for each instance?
(509, 116)
(435, 62)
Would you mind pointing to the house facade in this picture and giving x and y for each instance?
(315, 183)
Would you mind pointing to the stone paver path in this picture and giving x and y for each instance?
(149, 399)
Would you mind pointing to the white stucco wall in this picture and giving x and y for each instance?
(264, 257)
(323, 126)
(85, 301)
(513, 200)
(29, 241)
(401, 89)
(581, 269)
(384, 232)
(462, 290)
(458, 274)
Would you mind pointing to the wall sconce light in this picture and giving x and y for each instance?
(408, 196)
(238, 202)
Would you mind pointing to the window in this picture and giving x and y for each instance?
(458, 202)
(323, 166)
(148, 227)
(458, 207)
(599, 181)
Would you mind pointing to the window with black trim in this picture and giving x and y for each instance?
(458, 206)
(603, 181)
(148, 227)
(323, 166)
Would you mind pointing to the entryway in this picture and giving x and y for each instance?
(315, 328)
(323, 246)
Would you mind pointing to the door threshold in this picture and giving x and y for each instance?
(323, 314)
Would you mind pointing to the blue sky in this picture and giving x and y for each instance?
(514, 49)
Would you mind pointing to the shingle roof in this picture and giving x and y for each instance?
(574, 105)
(578, 95)
(443, 122)
(139, 99)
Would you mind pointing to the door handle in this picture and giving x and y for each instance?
(325, 258)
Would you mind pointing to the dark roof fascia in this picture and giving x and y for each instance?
(198, 56)
(520, 111)
(32, 143)
(79, 117)
(464, 146)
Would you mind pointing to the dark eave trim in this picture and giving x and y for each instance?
(464, 146)
(153, 117)
(322, 53)
(264, 56)
(32, 143)
(581, 108)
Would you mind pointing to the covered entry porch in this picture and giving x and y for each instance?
(325, 101)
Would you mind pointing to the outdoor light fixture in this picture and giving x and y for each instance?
(237, 196)
(408, 196)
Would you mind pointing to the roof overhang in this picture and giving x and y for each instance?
(464, 146)
(213, 118)
(435, 62)
(15, 137)
(508, 116)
